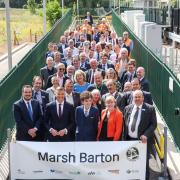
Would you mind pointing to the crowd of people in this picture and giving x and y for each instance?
(90, 89)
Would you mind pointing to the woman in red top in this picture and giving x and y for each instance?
(111, 123)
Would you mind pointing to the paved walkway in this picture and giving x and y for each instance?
(16, 57)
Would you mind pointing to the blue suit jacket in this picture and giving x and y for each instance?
(24, 122)
(52, 120)
(86, 127)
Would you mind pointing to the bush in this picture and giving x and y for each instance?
(31, 4)
(25, 6)
(53, 11)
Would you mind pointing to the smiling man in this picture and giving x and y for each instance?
(59, 118)
(28, 116)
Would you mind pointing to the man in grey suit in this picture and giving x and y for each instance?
(140, 123)
(47, 71)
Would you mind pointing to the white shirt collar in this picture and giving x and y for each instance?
(62, 104)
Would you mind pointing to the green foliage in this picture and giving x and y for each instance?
(25, 6)
(31, 4)
(53, 11)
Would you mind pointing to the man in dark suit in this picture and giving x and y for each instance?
(128, 96)
(98, 84)
(112, 90)
(90, 73)
(59, 118)
(140, 123)
(81, 41)
(60, 74)
(96, 35)
(39, 94)
(130, 74)
(28, 116)
(62, 45)
(43, 98)
(86, 118)
(89, 18)
(143, 81)
(84, 63)
(47, 71)
(104, 64)
(71, 96)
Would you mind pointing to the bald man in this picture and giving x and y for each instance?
(140, 122)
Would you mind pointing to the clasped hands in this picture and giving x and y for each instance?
(58, 133)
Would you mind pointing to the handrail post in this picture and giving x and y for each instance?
(9, 140)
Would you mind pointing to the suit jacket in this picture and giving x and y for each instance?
(117, 96)
(79, 43)
(148, 121)
(89, 73)
(86, 127)
(44, 73)
(127, 78)
(96, 37)
(109, 65)
(49, 84)
(52, 120)
(60, 49)
(76, 99)
(115, 124)
(44, 97)
(128, 98)
(85, 66)
(144, 85)
(24, 122)
(91, 20)
(102, 88)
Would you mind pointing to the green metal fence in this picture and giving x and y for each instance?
(10, 86)
(158, 74)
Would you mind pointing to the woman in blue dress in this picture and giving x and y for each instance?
(80, 81)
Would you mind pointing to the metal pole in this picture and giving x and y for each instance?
(165, 173)
(78, 9)
(62, 8)
(8, 29)
(9, 140)
(119, 7)
(44, 17)
(114, 4)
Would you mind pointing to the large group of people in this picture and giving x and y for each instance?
(90, 89)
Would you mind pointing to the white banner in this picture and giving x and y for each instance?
(124, 160)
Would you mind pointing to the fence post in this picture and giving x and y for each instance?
(165, 173)
(30, 32)
(9, 140)
(35, 37)
(171, 57)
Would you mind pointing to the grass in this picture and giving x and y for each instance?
(21, 22)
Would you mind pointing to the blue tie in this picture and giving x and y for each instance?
(30, 110)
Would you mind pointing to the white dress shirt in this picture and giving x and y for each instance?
(69, 98)
(135, 133)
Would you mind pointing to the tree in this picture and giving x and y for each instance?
(31, 4)
(53, 11)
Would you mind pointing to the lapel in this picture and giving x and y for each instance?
(54, 109)
(24, 108)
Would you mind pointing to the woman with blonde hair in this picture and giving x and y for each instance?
(111, 123)
(112, 74)
(80, 81)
